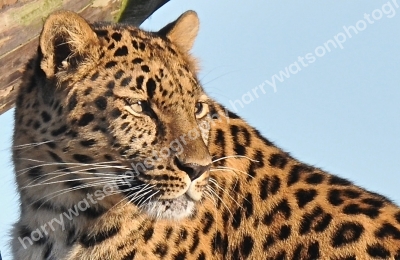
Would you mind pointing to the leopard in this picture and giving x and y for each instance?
(120, 154)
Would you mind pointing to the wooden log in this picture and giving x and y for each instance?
(21, 22)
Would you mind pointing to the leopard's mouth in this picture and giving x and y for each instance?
(149, 200)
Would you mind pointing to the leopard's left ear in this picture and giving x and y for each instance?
(182, 31)
(66, 40)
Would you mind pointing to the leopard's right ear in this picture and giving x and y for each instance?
(182, 31)
(66, 40)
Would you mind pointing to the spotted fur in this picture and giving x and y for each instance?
(98, 100)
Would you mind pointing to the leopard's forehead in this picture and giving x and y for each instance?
(136, 64)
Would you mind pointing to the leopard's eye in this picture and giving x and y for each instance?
(137, 108)
(201, 109)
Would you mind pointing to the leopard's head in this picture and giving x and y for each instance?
(117, 106)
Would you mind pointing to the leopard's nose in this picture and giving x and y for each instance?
(193, 170)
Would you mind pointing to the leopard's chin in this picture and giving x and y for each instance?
(172, 209)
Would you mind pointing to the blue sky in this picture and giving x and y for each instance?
(338, 110)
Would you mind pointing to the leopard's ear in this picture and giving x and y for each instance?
(66, 40)
(182, 31)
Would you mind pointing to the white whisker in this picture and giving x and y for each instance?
(214, 181)
(234, 156)
(210, 189)
(230, 169)
(30, 145)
